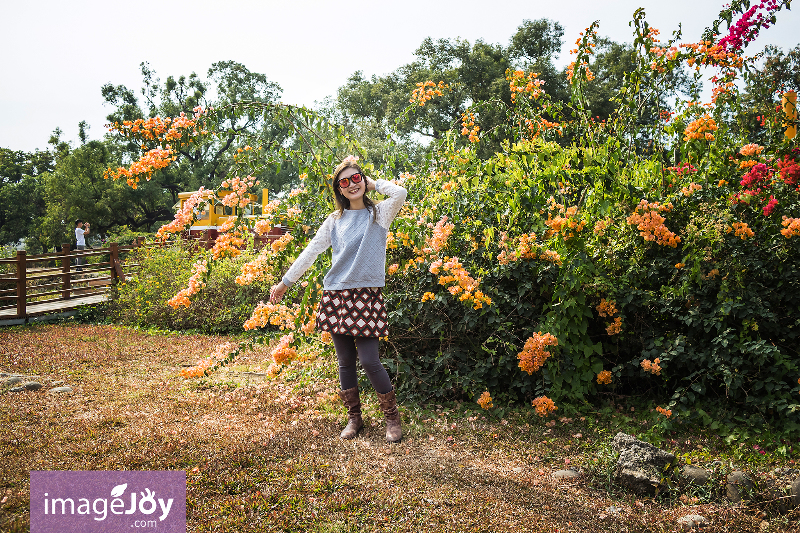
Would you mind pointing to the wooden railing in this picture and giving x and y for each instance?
(52, 283)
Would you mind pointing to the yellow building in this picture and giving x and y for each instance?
(208, 221)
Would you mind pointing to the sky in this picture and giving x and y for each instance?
(55, 55)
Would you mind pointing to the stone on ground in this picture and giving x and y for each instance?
(640, 466)
(692, 520)
(696, 475)
(738, 485)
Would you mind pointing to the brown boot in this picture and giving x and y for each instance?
(388, 403)
(352, 401)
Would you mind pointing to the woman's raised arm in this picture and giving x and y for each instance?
(320, 243)
(389, 208)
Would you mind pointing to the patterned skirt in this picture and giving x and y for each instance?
(358, 312)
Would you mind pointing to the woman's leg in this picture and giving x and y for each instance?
(346, 353)
(371, 363)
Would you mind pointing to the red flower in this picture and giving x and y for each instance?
(758, 174)
(789, 170)
(770, 206)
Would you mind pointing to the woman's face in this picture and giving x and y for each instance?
(354, 191)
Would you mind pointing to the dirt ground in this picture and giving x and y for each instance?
(263, 454)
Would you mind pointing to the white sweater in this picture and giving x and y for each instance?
(358, 244)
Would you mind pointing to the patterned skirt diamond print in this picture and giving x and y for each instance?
(358, 312)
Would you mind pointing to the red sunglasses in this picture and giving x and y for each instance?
(355, 178)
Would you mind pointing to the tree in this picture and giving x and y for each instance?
(780, 72)
(474, 72)
(76, 189)
(203, 163)
(21, 194)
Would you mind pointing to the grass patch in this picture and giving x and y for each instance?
(263, 454)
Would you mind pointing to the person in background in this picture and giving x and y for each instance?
(81, 229)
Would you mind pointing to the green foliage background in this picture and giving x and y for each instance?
(142, 299)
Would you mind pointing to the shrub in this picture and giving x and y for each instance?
(142, 299)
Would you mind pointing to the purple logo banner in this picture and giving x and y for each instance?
(103, 501)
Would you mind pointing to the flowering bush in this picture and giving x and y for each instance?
(652, 255)
(172, 274)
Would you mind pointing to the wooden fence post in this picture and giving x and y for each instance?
(22, 278)
(117, 274)
(113, 257)
(65, 275)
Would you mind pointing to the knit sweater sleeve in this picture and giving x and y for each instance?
(320, 243)
(389, 207)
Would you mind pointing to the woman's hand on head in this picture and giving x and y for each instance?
(277, 292)
(371, 185)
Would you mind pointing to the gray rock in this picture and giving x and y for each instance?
(640, 466)
(32, 385)
(796, 492)
(738, 486)
(692, 520)
(57, 383)
(13, 380)
(57, 390)
(16, 389)
(566, 474)
(695, 475)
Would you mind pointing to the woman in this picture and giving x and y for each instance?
(352, 307)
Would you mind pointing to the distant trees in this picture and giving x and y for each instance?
(21, 194)
(205, 163)
(42, 191)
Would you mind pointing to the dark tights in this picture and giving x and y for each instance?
(366, 350)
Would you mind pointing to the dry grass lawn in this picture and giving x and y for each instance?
(264, 454)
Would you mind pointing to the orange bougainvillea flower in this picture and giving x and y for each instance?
(196, 283)
(791, 227)
(468, 127)
(284, 352)
(521, 84)
(485, 401)
(614, 327)
(544, 405)
(202, 366)
(184, 216)
(425, 91)
(665, 412)
(650, 223)
(652, 366)
(749, 150)
(604, 377)
(701, 128)
(691, 188)
(275, 314)
(607, 308)
(534, 354)
(741, 230)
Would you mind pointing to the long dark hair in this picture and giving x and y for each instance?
(342, 202)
